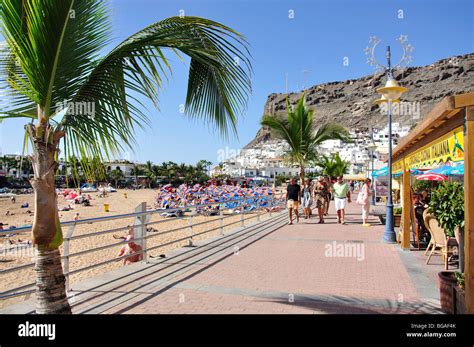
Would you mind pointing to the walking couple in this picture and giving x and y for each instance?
(342, 196)
(319, 194)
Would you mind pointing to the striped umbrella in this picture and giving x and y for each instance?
(432, 177)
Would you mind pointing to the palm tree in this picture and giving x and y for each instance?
(205, 164)
(171, 170)
(149, 173)
(116, 175)
(332, 166)
(297, 130)
(54, 74)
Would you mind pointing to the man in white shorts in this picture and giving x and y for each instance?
(342, 195)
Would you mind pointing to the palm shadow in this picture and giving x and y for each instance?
(352, 305)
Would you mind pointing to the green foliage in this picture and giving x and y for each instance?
(116, 174)
(297, 131)
(173, 172)
(420, 185)
(397, 210)
(333, 165)
(447, 205)
(53, 61)
(460, 279)
(281, 179)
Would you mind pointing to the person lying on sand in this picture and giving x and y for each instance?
(273, 209)
(67, 208)
(130, 232)
(20, 242)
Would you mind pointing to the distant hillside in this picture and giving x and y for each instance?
(351, 102)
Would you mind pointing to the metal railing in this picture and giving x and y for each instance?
(242, 206)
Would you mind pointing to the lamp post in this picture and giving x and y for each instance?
(390, 93)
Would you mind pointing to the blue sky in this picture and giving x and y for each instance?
(317, 39)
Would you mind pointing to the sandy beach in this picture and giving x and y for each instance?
(119, 204)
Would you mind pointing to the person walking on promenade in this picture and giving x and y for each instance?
(328, 197)
(293, 196)
(306, 200)
(320, 197)
(363, 199)
(341, 197)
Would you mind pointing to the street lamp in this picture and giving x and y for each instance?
(390, 93)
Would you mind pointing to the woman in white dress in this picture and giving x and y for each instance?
(306, 201)
(366, 193)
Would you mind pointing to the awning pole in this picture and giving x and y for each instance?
(469, 207)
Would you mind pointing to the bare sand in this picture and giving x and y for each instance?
(119, 204)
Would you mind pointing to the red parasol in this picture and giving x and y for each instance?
(431, 177)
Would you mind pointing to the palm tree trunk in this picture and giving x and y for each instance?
(302, 175)
(47, 234)
(50, 283)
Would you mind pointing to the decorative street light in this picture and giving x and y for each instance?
(391, 92)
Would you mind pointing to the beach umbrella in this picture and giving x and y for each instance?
(442, 170)
(416, 172)
(384, 172)
(431, 177)
(381, 172)
(458, 170)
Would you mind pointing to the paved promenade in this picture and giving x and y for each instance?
(272, 268)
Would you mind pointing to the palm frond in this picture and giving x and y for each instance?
(56, 44)
(217, 88)
(332, 131)
(51, 65)
(15, 101)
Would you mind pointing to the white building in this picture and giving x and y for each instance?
(123, 165)
(266, 159)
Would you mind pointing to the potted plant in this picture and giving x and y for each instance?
(397, 216)
(460, 294)
(447, 205)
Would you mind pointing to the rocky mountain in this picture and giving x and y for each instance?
(350, 102)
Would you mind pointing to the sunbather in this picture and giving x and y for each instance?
(131, 248)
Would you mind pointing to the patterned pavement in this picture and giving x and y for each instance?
(273, 268)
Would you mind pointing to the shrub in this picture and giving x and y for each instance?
(397, 210)
(447, 205)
